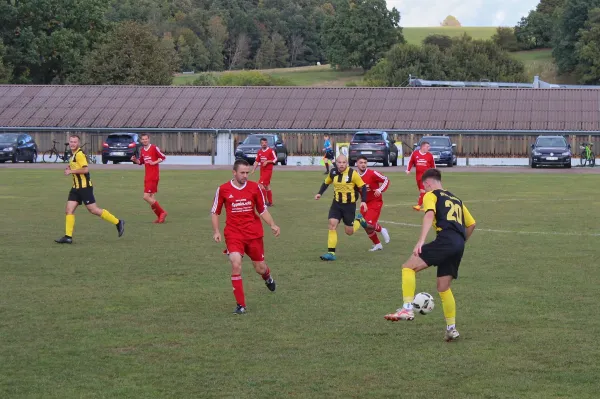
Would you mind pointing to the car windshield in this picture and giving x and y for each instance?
(438, 142)
(8, 138)
(122, 139)
(367, 137)
(256, 140)
(551, 142)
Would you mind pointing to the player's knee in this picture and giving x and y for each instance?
(443, 284)
(349, 230)
(260, 267)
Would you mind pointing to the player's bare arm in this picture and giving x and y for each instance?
(215, 225)
(266, 216)
(469, 231)
(427, 223)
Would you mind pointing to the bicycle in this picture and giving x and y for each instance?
(587, 155)
(53, 155)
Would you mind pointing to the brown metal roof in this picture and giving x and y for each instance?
(300, 108)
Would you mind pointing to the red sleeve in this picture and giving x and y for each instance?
(431, 161)
(274, 155)
(218, 202)
(411, 162)
(159, 153)
(141, 158)
(259, 200)
(384, 182)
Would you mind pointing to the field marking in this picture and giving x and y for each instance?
(496, 200)
(545, 233)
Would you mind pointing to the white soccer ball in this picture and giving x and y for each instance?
(423, 303)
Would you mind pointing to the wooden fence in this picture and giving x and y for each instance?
(504, 144)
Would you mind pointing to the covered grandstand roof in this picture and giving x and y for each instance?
(299, 108)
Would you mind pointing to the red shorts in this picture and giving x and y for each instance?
(254, 248)
(372, 214)
(151, 186)
(265, 177)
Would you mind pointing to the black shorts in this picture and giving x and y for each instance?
(82, 195)
(345, 212)
(329, 154)
(445, 252)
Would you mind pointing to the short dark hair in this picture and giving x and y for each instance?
(424, 142)
(75, 135)
(362, 157)
(239, 162)
(263, 139)
(434, 174)
(144, 134)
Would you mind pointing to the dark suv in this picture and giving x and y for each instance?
(248, 148)
(442, 149)
(376, 145)
(551, 150)
(120, 147)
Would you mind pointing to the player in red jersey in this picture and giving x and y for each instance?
(266, 158)
(377, 184)
(422, 159)
(243, 229)
(150, 157)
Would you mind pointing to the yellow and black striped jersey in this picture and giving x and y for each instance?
(78, 161)
(345, 185)
(450, 212)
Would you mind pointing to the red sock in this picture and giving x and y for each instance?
(267, 274)
(238, 289)
(374, 238)
(378, 228)
(421, 199)
(157, 208)
(270, 196)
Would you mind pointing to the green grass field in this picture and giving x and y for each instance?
(149, 315)
(417, 34)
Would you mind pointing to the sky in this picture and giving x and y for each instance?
(468, 12)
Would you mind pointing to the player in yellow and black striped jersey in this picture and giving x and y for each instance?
(346, 183)
(82, 192)
(454, 224)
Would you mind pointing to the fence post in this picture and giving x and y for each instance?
(212, 150)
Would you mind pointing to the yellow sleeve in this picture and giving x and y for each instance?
(328, 179)
(81, 159)
(429, 202)
(357, 180)
(469, 221)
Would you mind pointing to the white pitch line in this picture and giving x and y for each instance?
(498, 200)
(545, 233)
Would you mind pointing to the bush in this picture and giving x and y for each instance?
(205, 79)
(242, 78)
(505, 39)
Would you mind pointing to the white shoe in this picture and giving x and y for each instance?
(386, 235)
(376, 247)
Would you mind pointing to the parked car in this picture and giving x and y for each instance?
(248, 148)
(551, 150)
(17, 147)
(442, 149)
(120, 147)
(376, 145)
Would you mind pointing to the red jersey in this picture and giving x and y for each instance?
(375, 181)
(240, 202)
(421, 161)
(151, 154)
(266, 155)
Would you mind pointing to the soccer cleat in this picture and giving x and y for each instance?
(417, 207)
(270, 283)
(161, 218)
(376, 247)
(157, 221)
(239, 309)
(451, 334)
(362, 220)
(386, 235)
(64, 240)
(328, 256)
(121, 227)
(401, 314)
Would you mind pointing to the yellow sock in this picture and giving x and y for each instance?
(449, 307)
(356, 225)
(69, 225)
(331, 241)
(109, 217)
(409, 285)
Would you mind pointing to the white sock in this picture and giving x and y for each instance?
(451, 326)
(407, 306)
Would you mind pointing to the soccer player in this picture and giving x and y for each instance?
(266, 158)
(82, 192)
(423, 160)
(454, 225)
(346, 183)
(243, 229)
(328, 157)
(150, 157)
(377, 184)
